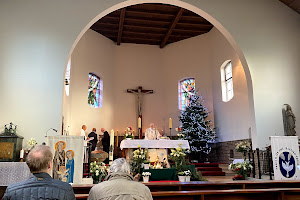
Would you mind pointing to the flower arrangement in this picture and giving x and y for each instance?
(128, 133)
(140, 155)
(32, 142)
(243, 146)
(99, 171)
(178, 156)
(181, 173)
(144, 174)
(241, 169)
(187, 173)
(180, 135)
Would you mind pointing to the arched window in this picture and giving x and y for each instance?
(226, 81)
(95, 88)
(186, 88)
(67, 78)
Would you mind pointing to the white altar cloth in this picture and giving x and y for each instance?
(152, 144)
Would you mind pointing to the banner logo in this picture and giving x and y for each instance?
(287, 164)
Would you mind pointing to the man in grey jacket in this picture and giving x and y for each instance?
(40, 185)
(119, 184)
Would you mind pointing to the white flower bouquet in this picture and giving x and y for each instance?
(144, 174)
(243, 146)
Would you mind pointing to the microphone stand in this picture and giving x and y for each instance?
(44, 143)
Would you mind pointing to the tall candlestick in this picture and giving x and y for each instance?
(117, 138)
(139, 122)
(170, 123)
(112, 140)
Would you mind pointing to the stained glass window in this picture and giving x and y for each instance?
(95, 89)
(186, 89)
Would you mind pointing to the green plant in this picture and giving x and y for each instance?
(139, 157)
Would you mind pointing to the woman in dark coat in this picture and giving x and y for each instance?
(105, 144)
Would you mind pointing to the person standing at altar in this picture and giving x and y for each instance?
(152, 133)
(82, 133)
(105, 143)
(94, 141)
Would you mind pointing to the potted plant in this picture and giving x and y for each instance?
(98, 171)
(243, 147)
(139, 157)
(188, 175)
(178, 157)
(146, 164)
(241, 169)
(146, 176)
(181, 176)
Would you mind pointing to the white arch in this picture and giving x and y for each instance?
(209, 18)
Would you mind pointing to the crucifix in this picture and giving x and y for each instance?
(139, 93)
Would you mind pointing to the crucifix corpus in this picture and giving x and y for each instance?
(139, 93)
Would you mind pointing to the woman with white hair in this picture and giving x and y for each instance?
(119, 184)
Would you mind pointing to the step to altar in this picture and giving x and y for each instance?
(209, 169)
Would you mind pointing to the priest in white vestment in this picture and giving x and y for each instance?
(152, 133)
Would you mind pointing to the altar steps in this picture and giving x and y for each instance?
(209, 169)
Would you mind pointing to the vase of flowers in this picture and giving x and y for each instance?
(32, 142)
(180, 135)
(181, 176)
(178, 157)
(128, 135)
(98, 171)
(139, 157)
(146, 164)
(241, 169)
(146, 176)
(188, 175)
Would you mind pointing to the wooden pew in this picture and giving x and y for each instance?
(204, 185)
(238, 194)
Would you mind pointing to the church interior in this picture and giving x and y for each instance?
(50, 51)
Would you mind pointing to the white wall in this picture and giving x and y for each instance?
(36, 38)
(232, 118)
(93, 54)
(158, 69)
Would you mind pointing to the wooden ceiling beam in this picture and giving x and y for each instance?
(172, 27)
(122, 17)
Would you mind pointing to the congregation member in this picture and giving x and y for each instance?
(94, 141)
(40, 185)
(119, 184)
(152, 133)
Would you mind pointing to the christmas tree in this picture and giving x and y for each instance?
(195, 127)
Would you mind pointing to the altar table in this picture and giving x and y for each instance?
(152, 144)
(161, 174)
(13, 172)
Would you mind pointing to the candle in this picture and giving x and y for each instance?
(117, 138)
(133, 132)
(170, 123)
(22, 153)
(140, 122)
(112, 140)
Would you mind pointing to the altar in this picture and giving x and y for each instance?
(156, 148)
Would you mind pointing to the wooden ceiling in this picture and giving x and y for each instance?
(293, 4)
(152, 24)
